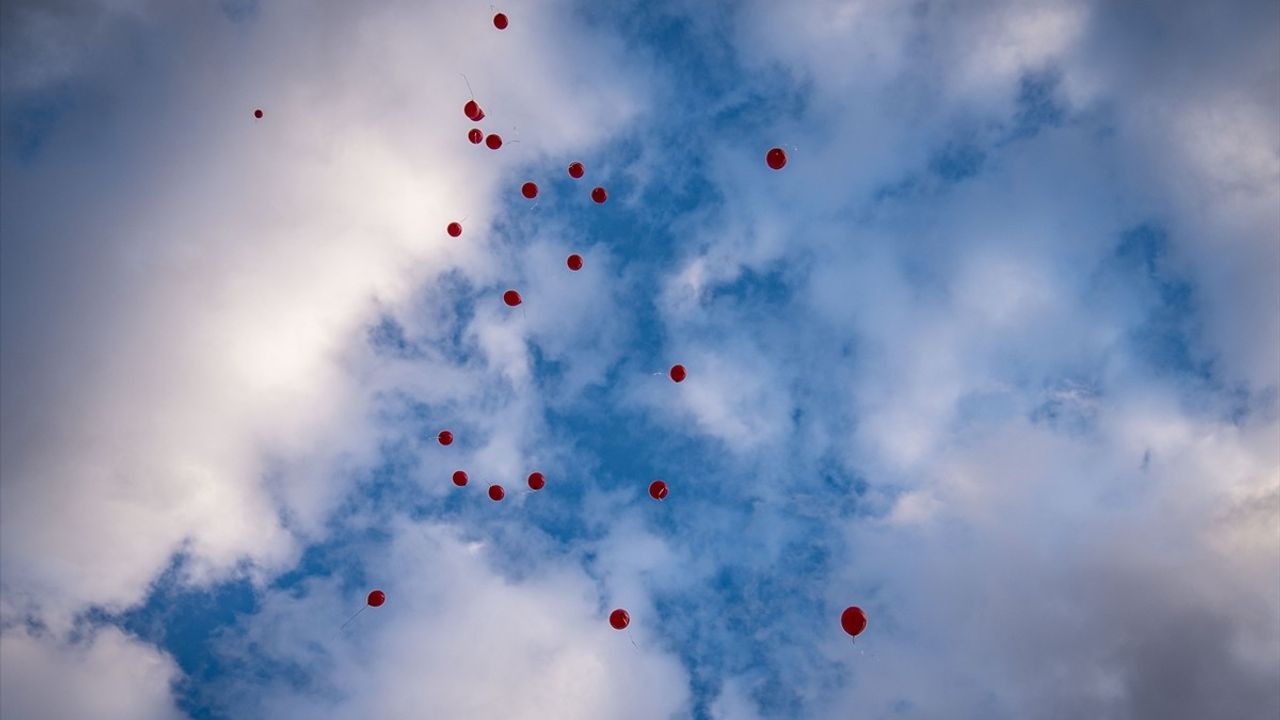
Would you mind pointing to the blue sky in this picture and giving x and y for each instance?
(995, 357)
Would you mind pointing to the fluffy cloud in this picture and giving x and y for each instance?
(455, 639)
(186, 324)
(183, 285)
(107, 675)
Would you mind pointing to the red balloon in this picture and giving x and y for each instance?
(500, 21)
(459, 477)
(678, 373)
(575, 170)
(475, 136)
(472, 110)
(529, 190)
(496, 493)
(777, 158)
(455, 229)
(511, 298)
(853, 620)
(493, 141)
(658, 490)
(619, 619)
(574, 262)
(376, 598)
(537, 481)
(258, 113)
(599, 195)
(445, 437)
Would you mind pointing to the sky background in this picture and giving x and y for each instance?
(995, 357)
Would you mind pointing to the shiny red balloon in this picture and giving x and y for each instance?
(376, 598)
(777, 158)
(475, 136)
(575, 170)
(599, 195)
(500, 21)
(258, 113)
(459, 477)
(472, 110)
(511, 298)
(529, 190)
(853, 620)
(496, 493)
(658, 490)
(454, 229)
(619, 619)
(445, 437)
(574, 262)
(537, 481)
(493, 141)
(678, 373)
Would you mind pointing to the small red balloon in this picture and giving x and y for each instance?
(678, 373)
(537, 481)
(500, 21)
(658, 490)
(574, 262)
(777, 158)
(475, 136)
(511, 298)
(454, 229)
(853, 620)
(619, 619)
(493, 141)
(258, 113)
(445, 437)
(376, 598)
(575, 170)
(599, 195)
(459, 477)
(472, 110)
(496, 493)
(529, 190)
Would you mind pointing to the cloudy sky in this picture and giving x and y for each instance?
(996, 357)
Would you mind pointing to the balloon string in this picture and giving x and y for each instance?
(469, 90)
(633, 640)
(353, 617)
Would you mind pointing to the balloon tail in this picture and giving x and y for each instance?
(469, 90)
(353, 617)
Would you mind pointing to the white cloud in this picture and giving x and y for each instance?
(108, 676)
(1076, 544)
(733, 703)
(189, 320)
(456, 639)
